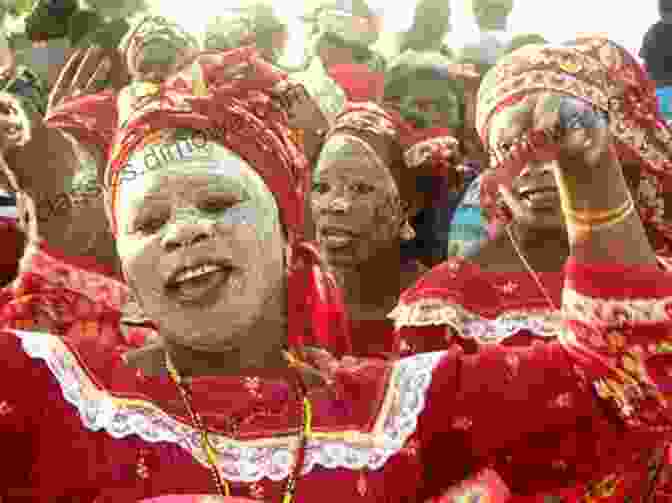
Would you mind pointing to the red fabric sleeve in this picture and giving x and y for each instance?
(589, 403)
(22, 393)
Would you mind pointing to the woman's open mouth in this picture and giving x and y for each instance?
(541, 198)
(194, 284)
(336, 237)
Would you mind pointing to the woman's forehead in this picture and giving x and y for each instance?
(230, 174)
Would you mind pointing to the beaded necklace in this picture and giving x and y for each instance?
(222, 485)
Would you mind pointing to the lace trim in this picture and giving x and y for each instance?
(469, 325)
(593, 310)
(252, 460)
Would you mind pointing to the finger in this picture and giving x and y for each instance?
(69, 70)
(87, 68)
(99, 75)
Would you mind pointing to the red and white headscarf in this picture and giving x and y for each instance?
(232, 98)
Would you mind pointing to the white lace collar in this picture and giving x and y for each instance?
(250, 460)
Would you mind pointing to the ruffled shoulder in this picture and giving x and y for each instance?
(458, 298)
(454, 284)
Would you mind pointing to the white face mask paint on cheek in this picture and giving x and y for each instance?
(251, 234)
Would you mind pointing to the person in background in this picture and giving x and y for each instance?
(439, 98)
(656, 51)
(343, 34)
(431, 23)
(367, 185)
(491, 17)
(255, 24)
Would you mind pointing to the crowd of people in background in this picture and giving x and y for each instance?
(438, 275)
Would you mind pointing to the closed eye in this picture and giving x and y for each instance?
(217, 205)
(320, 187)
(150, 225)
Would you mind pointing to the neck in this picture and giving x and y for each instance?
(261, 352)
(546, 250)
(374, 283)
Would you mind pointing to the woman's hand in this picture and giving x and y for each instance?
(88, 71)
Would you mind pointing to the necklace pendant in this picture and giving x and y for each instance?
(362, 484)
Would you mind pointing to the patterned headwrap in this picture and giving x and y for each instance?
(230, 98)
(608, 79)
(409, 157)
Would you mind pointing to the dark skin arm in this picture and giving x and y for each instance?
(585, 166)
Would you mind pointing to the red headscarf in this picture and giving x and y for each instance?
(359, 81)
(231, 97)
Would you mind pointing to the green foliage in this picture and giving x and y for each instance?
(44, 22)
(107, 34)
(431, 22)
(82, 23)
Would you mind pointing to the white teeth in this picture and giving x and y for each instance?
(202, 270)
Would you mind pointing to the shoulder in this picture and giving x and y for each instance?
(439, 296)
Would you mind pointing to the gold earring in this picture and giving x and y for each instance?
(407, 233)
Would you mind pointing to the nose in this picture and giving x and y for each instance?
(336, 201)
(187, 233)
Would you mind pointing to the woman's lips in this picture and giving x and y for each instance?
(542, 198)
(335, 237)
(194, 284)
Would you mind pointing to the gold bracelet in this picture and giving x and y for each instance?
(589, 217)
(625, 211)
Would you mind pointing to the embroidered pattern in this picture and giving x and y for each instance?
(245, 461)
(469, 325)
(595, 310)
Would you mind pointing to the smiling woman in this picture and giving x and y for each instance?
(238, 414)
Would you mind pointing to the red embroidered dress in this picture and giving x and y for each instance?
(385, 431)
(70, 297)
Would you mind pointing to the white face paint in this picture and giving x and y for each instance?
(217, 219)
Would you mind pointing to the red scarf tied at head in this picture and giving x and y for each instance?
(230, 98)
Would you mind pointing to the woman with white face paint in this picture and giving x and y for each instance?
(236, 401)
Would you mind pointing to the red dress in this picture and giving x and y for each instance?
(78, 425)
(68, 296)
(12, 244)
(486, 313)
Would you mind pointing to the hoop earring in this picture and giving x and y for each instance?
(407, 232)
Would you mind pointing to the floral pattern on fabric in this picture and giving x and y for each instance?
(457, 304)
(244, 460)
(64, 298)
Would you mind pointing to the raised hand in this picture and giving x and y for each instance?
(88, 71)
